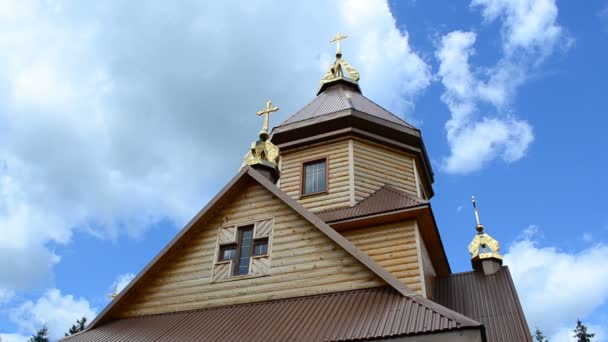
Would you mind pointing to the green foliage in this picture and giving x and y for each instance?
(78, 327)
(42, 335)
(581, 334)
(539, 336)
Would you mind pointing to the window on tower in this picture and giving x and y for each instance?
(314, 177)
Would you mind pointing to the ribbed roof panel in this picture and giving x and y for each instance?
(352, 315)
(341, 97)
(384, 199)
(489, 299)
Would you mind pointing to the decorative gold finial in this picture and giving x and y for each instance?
(337, 39)
(340, 69)
(264, 134)
(483, 245)
(263, 152)
(114, 293)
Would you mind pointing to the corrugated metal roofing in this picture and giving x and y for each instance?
(341, 97)
(489, 299)
(352, 315)
(384, 199)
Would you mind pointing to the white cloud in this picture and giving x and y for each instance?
(6, 295)
(527, 24)
(529, 34)
(59, 312)
(556, 287)
(117, 115)
(482, 141)
(13, 338)
(122, 281)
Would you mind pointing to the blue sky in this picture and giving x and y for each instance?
(119, 121)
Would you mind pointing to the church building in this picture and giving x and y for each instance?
(325, 234)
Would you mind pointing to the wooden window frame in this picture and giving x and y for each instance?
(220, 257)
(303, 177)
(237, 245)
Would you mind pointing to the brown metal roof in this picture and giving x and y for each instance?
(384, 199)
(489, 299)
(341, 97)
(352, 315)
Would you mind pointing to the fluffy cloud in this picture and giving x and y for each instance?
(122, 281)
(529, 34)
(55, 310)
(556, 287)
(13, 338)
(117, 115)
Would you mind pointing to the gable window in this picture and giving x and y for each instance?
(314, 177)
(243, 246)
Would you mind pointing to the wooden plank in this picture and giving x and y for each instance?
(303, 262)
(339, 176)
(394, 247)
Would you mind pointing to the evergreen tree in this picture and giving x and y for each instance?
(581, 333)
(539, 336)
(79, 326)
(42, 335)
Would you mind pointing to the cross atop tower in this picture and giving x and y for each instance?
(479, 225)
(266, 112)
(337, 39)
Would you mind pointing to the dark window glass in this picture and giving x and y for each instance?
(227, 253)
(260, 247)
(245, 249)
(315, 177)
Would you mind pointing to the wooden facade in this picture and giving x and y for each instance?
(426, 266)
(303, 262)
(376, 166)
(356, 169)
(394, 247)
(338, 186)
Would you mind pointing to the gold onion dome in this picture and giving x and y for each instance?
(340, 70)
(483, 245)
(262, 152)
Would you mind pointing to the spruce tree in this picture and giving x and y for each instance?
(539, 336)
(79, 326)
(42, 335)
(581, 333)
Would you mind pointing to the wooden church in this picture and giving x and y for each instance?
(325, 234)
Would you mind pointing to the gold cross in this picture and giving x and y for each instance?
(337, 39)
(266, 112)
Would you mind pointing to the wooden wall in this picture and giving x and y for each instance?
(426, 267)
(376, 165)
(393, 246)
(303, 262)
(338, 195)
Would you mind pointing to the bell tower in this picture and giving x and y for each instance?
(342, 147)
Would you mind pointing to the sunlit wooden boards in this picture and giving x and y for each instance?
(393, 246)
(304, 262)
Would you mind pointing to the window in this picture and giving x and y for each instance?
(314, 177)
(242, 251)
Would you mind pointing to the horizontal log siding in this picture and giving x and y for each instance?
(428, 270)
(303, 262)
(339, 179)
(376, 166)
(393, 246)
